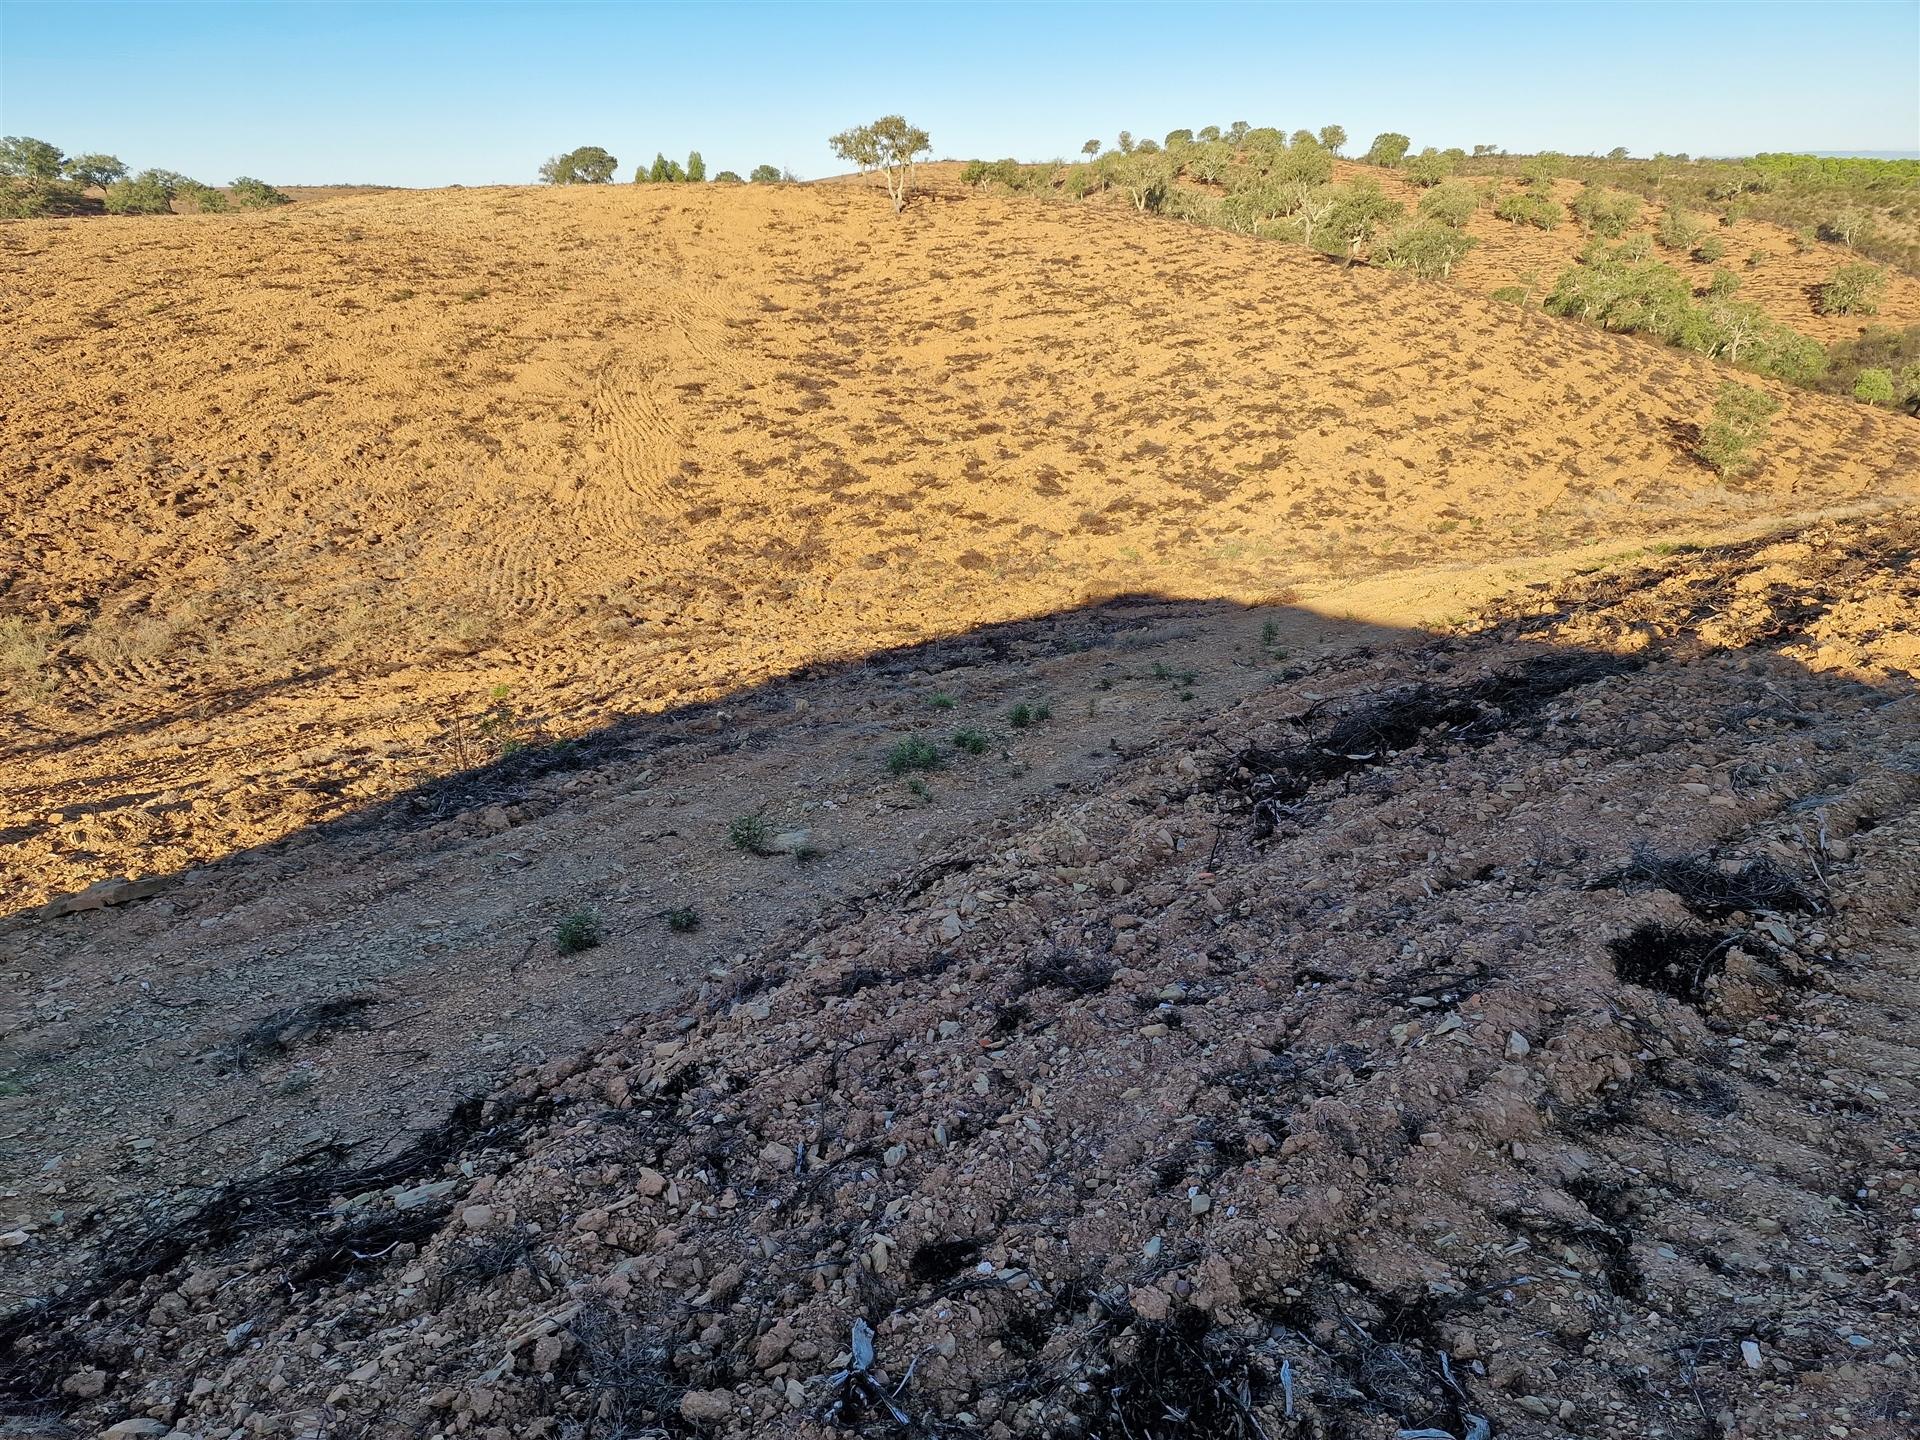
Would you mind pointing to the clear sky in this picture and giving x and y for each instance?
(439, 93)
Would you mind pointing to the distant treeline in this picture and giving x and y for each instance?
(592, 165)
(37, 179)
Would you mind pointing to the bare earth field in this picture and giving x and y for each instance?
(1436, 951)
(304, 508)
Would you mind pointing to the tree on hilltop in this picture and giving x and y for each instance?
(889, 145)
(1090, 149)
(696, 168)
(1388, 149)
(588, 165)
(764, 175)
(1333, 137)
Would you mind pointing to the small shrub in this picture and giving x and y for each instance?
(252, 194)
(1710, 251)
(1528, 208)
(1722, 284)
(974, 742)
(728, 177)
(750, 833)
(1854, 289)
(1739, 425)
(201, 199)
(577, 932)
(1635, 247)
(1025, 714)
(1874, 386)
(764, 175)
(1429, 167)
(1600, 211)
(681, 919)
(1429, 250)
(148, 193)
(1452, 203)
(913, 754)
(940, 700)
(1677, 229)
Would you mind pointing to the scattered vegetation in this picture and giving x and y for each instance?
(36, 180)
(1029, 713)
(1732, 436)
(681, 919)
(1427, 248)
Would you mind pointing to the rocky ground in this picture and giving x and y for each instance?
(1507, 1034)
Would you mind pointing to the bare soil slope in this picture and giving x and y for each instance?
(1506, 1032)
(305, 508)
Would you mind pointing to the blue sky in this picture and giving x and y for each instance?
(439, 93)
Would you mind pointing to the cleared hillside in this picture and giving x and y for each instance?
(305, 507)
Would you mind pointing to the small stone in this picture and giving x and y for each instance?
(1750, 1352)
(796, 1394)
(649, 1182)
(85, 1383)
(779, 1156)
(699, 1405)
(477, 1217)
(592, 1221)
(1518, 1046)
(1200, 1204)
(128, 1428)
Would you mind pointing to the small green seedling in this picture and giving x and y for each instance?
(579, 931)
(913, 754)
(974, 742)
(681, 919)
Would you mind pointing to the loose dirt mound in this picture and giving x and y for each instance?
(1509, 1034)
(307, 507)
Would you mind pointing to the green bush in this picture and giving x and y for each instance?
(1309, 164)
(1451, 203)
(696, 169)
(1853, 289)
(1210, 161)
(728, 177)
(1739, 425)
(1176, 139)
(198, 199)
(1388, 148)
(150, 192)
(764, 175)
(587, 165)
(1146, 177)
(1677, 229)
(1635, 247)
(1332, 138)
(1722, 283)
(577, 932)
(913, 754)
(1358, 211)
(1528, 208)
(1600, 211)
(1429, 167)
(1710, 251)
(1874, 386)
(252, 194)
(1427, 248)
